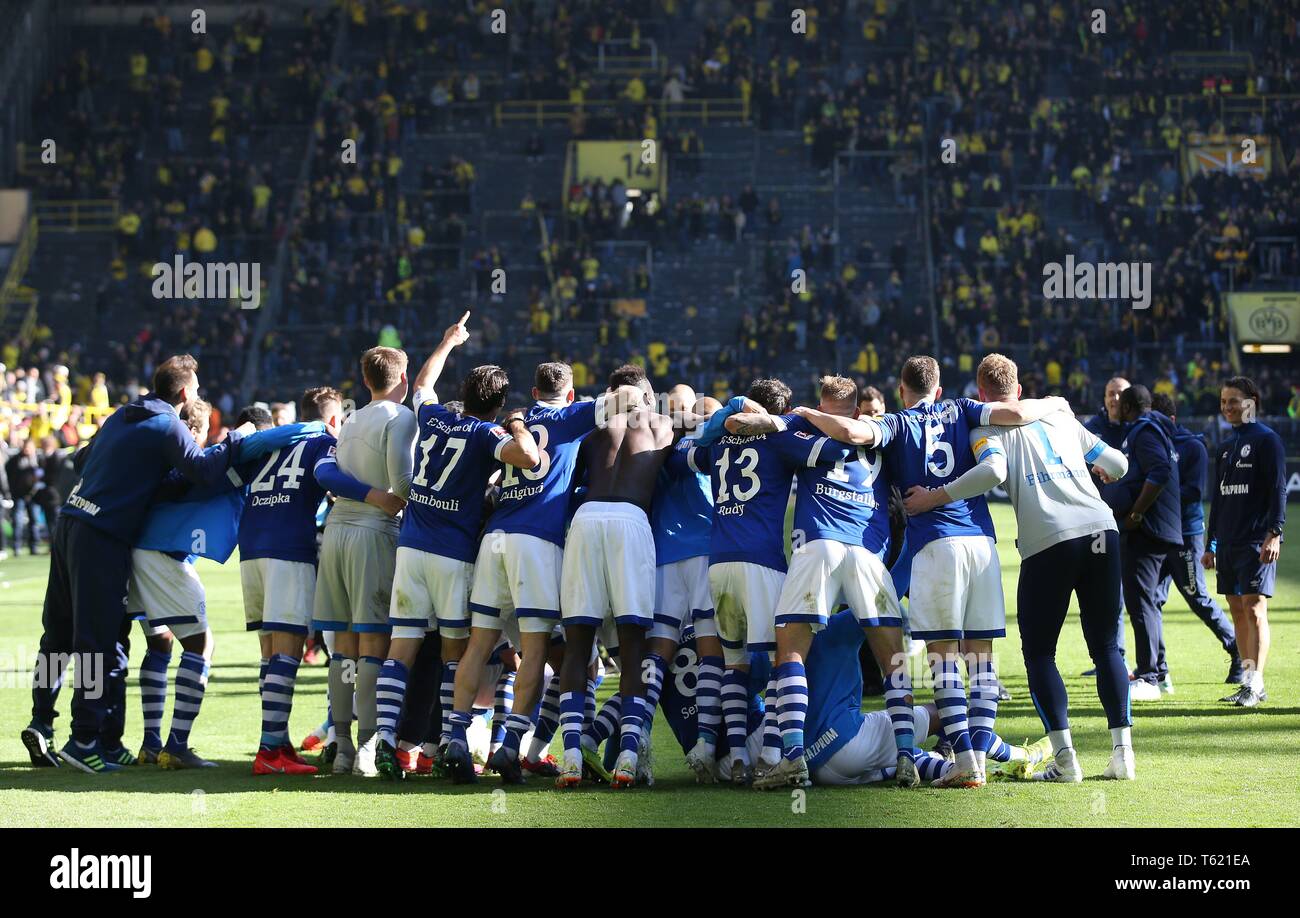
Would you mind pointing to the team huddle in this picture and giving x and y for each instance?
(469, 569)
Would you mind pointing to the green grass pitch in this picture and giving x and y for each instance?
(1200, 763)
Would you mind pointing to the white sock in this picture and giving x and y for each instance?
(1121, 736)
(1257, 682)
(1061, 739)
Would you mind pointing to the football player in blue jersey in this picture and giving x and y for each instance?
(455, 455)
(751, 470)
(956, 601)
(516, 585)
(277, 566)
(840, 539)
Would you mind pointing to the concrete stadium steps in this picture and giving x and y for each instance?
(67, 270)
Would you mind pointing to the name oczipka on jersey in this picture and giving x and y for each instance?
(49, 671)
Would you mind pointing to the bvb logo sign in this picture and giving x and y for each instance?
(1269, 322)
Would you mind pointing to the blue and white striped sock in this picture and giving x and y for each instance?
(898, 703)
(735, 709)
(1000, 751)
(606, 722)
(502, 703)
(929, 766)
(571, 706)
(390, 695)
(447, 699)
(654, 686)
(983, 703)
(708, 699)
(548, 719)
(630, 724)
(277, 700)
(516, 726)
(588, 707)
(191, 682)
(950, 699)
(261, 671)
(153, 695)
(791, 706)
(459, 722)
(771, 731)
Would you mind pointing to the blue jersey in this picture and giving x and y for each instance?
(834, 688)
(930, 445)
(751, 487)
(847, 502)
(682, 518)
(280, 506)
(455, 455)
(536, 501)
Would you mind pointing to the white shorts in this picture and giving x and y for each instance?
(609, 566)
(957, 591)
(682, 597)
(168, 593)
(870, 749)
(516, 584)
(745, 597)
(823, 573)
(278, 595)
(430, 593)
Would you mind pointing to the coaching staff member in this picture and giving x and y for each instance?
(90, 555)
(1244, 534)
(1147, 506)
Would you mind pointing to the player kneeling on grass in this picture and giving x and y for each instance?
(847, 746)
(166, 589)
(277, 550)
(1068, 543)
(456, 453)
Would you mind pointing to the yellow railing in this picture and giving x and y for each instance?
(29, 158)
(96, 215)
(12, 292)
(542, 110)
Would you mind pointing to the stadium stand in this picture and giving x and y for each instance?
(784, 153)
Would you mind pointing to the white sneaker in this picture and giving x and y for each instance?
(365, 761)
(965, 772)
(701, 761)
(624, 770)
(1167, 684)
(644, 763)
(1142, 690)
(1122, 766)
(1065, 770)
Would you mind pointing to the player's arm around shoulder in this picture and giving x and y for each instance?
(1108, 463)
(853, 431)
(991, 469)
(1017, 413)
(519, 448)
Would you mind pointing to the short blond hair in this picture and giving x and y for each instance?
(382, 367)
(839, 389)
(196, 415)
(997, 375)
